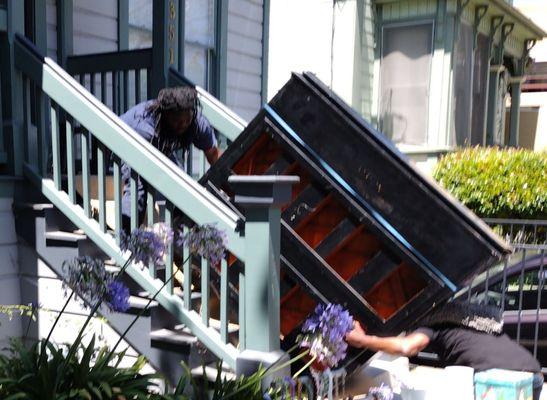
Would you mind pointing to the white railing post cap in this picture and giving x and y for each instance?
(262, 190)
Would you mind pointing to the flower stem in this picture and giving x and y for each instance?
(287, 363)
(141, 313)
(30, 320)
(268, 372)
(44, 343)
(304, 367)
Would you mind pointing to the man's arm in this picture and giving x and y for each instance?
(205, 140)
(212, 154)
(407, 346)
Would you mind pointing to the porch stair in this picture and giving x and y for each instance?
(58, 223)
(46, 233)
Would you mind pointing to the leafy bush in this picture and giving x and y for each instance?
(497, 183)
(95, 374)
(23, 376)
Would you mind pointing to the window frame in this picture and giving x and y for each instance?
(401, 24)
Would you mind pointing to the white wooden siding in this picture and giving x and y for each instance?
(95, 26)
(244, 61)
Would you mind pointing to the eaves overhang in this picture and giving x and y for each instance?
(501, 7)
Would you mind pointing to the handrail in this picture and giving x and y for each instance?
(112, 61)
(158, 171)
(221, 117)
(148, 162)
(191, 319)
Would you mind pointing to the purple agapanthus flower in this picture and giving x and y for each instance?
(117, 296)
(323, 333)
(206, 241)
(87, 277)
(148, 245)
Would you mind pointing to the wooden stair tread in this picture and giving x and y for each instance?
(176, 337)
(65, 236)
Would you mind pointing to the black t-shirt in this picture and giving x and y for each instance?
(481, 351)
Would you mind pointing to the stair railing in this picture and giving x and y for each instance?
(119, 79)
(122, 79)
(50, 162)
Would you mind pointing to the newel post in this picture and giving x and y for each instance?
(261, 198)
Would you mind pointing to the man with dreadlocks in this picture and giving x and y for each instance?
(460, 333)
(171, 123)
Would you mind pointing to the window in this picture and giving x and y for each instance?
(404, 82)
(140, 24)
(199, 40)
(199, 28)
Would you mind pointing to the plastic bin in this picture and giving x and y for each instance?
(499, 384)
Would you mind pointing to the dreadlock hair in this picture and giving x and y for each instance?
(182, 98)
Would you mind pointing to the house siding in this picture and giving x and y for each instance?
(95, 26)
(244, 59)
(408, 9)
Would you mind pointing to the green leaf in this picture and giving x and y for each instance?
(15, 396)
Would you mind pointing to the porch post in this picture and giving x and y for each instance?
(123, 24)
(221, 50)
(261, 198)
(65, 46)
(480, 13)
(40, 25)
(12, 89)
(514, 123)
(165, 20)
(516, 91)
(496, 68)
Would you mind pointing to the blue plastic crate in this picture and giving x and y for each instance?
(500, 384)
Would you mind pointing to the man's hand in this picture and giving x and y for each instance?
(212, 155)
(357, 335)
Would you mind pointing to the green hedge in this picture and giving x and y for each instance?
(497, 183)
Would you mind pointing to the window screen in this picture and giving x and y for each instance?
(404, 82)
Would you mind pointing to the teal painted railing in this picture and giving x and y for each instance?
(119, 79)
(123, 79)
(71, 105)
